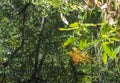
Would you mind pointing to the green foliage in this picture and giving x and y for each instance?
(33, 34)
(69, 40)
(117, 50)
(75, 24)
(83, 44)
(104, 58)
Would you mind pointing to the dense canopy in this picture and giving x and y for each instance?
(59, 41)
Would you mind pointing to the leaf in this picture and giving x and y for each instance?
(113, 54)
(83, 44)
(104, 36)
(117, 50)
(74, 7)
(110, 52)
(64, 19)
(104, 58)
(106, 43)
(75, 24)
(69, 40)
(107, 50)
(67, 29)
(88, 24)
(114, 39)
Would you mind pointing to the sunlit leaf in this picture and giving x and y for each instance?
(115, 39)
(74, 7)
(109, 52)
(75, 24)
(88, 24)
(69, 40)
(106, 43)
(104, 36)
(83, 44)
(113, 54)
(104, 58)
(67, 29)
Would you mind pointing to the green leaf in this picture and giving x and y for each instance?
(69, 40)
(104, 58)
(107, 50)
(113, 54)
(106, 43)
(117, 50)
(115, 39)
(110, 52)
(67, 29)
(75, 24)
(83, 44)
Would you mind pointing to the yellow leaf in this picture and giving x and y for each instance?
(74, 7)
(75, 24)
(67, 29)
(104, 58)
